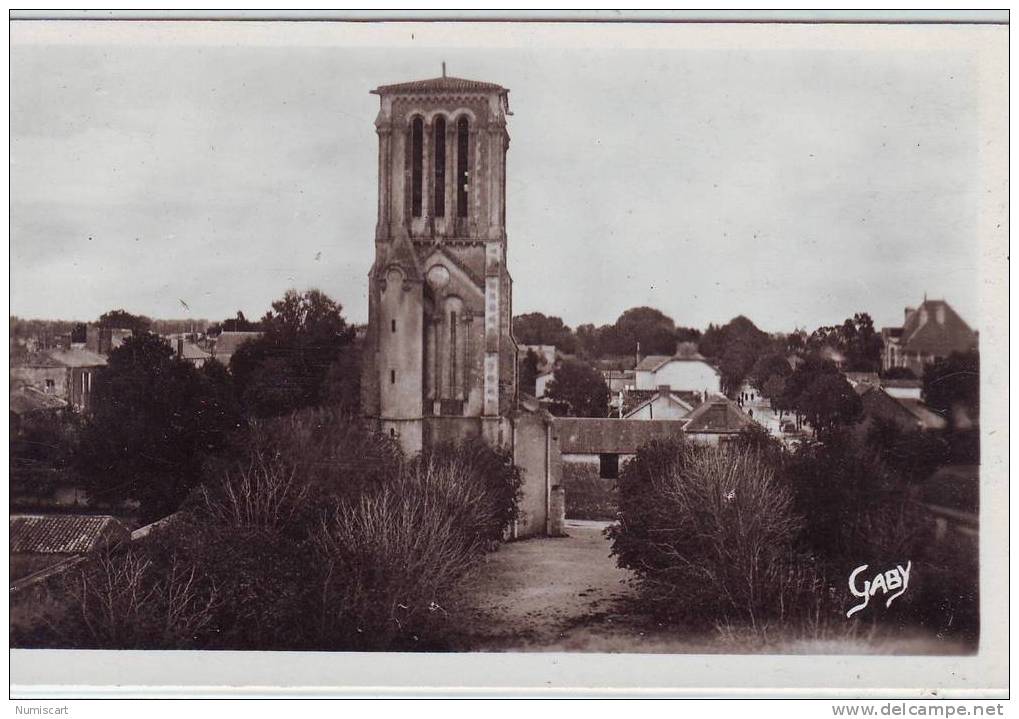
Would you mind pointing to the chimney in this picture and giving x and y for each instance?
(664, 390)
(909, 311)
(180, 346)
(638, 353)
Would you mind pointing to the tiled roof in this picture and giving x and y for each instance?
(228, 342)
(935, 328)
(686, 352)
(588, 435)
(652, 363)
(37, 360)
(440, 85)
(634, 398)
(64, 533)
(718, 416)
(673, 397)
(78, 358)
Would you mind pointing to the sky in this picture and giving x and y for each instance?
(795, 177)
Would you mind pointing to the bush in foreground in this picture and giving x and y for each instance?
(277, 553)
(710, 532)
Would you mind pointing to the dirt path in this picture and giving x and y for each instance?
(563, 594)
(568, 595)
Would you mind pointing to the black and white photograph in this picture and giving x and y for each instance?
(461, 339)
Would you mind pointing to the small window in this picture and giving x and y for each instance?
(393, 325)
(392, 376)
(50, 386)
(392, 432)
(609, 466)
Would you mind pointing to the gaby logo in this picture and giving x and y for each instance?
(894, 580)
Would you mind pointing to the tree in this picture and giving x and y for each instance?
(951, 386)
(122, 319)
(155, 420)
(579, 389)
(856, 338)
(528, 372)
(304, 334)
(735, 346)
(769, 366)
(535, 328)
(828, 402)
(653, 330)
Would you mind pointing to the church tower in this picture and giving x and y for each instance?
(440, 359)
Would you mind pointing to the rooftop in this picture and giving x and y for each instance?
(717, 416)
(444, 84)
(935, 328)
(594, 435)
(64, 533)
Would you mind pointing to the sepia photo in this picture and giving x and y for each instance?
(445, 346)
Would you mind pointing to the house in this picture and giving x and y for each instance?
(103, 340)
(190, 352)
(908, 413)
(716, 421)
(26, 401)
(224, 345)
(65, 373)
(661, 403)
(686, 370)
(931, 331)
(40, 541)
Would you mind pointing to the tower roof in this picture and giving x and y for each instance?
(442, 84)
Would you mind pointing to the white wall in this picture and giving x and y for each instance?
(689, 375)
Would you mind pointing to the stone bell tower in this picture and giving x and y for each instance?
(440, 359)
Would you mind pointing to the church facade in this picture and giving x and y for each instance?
(440, 358)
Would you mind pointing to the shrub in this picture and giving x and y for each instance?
(484, 483)
(856, 509)
(127, 600)
(710, 531)
(264, 496)
(393, 558)
(331, 451)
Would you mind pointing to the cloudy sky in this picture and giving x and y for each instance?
(795, 175)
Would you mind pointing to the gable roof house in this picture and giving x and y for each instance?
(909, 414)
(226, 343)
(931, 331)
(717, 420)
(661, 403)
(687, 370)
(65, 373)
(41, 541)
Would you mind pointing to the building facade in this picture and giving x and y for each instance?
(932, 331)
(441, 359)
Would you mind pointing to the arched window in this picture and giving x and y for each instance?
(440, 166)
(417, 137)
(462, 171)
